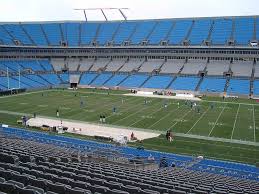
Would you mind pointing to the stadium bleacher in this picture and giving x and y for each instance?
(196, 30)
(238, 86)
(54, 167)
(185, 83)
(33, 161)
(213, 85)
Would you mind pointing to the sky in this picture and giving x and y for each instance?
(53, 10)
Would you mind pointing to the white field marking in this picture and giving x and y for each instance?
(180, 119)
(42, 105)
(198, 120)
(133, 113)
(23, 103)
(163, 117)
(235, 122)
(146, 115)
(254, 123)
(93, 105)
(217, 120)
(125, 110)
(64, 108)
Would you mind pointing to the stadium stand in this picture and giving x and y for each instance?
(134, 81)
(88, 33)
(115, 64)
(238, 86)
(172, 66)
(36, 33)
(124, 32)
(242, 68)
(115, 80)
(85, 64)
(213, 85)
(151, 65)
(185, 83)
(35, 161)
(157, 81)
(132, 64)
(100, 64)
(200, 31)
(86, 78)
(179, 32)
(101, 79)
(53, 33)
(160, 32)
(193, 67)
(192, 55)
(256, 87)
(217, 67)
(221, 31)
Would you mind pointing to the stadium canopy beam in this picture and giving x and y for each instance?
(102, 10)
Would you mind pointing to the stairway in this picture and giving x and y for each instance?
(62, 33)
(190, 31)
(170, 30)
(199, 83)
(151, 31)
(45, 35)
(210, 32)
(227, 84)
(175, 77)
(94, 78)
(145, 81)
(28, 35)
(252, 79)
(123, 80)
(109, 79)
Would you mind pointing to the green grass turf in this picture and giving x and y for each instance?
(225, 120)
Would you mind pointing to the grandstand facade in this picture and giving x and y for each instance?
(199, 55)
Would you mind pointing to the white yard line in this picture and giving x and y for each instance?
(126, 109)
(198, 120)
(254, 123)
(133, 113)
(234, 126)
(163, 117)
(180, 119)
(147, 115)
(217, 120)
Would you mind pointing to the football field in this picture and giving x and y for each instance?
(237, 120)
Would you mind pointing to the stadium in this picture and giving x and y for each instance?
(130, 106)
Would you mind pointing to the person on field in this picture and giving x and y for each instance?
(57, 113)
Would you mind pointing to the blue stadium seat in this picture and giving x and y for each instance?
(115, 80)
(221, 31)
(86, 78)
(71, 31)
(18, 33)
(142, 31)
(160, 32)
(88, 32)
(212, 85)
(134, 81)
(244, 30)
(256, 87)
(200, 31)
(106, 32)
(124, 32)
(185, 83)
(238, 86)
(53, 33)
(158, 81)
(36, 33)
(101, 79)
(179, 32)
